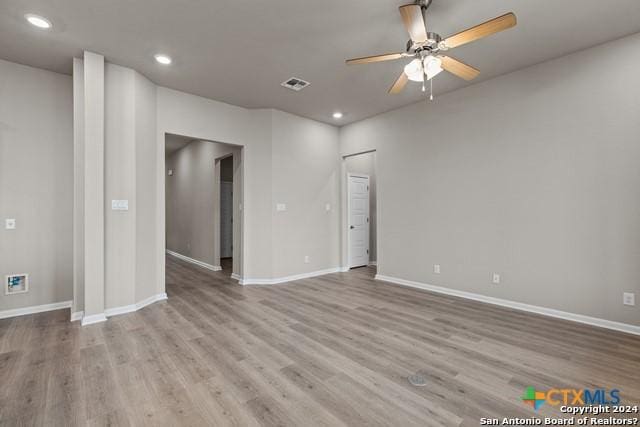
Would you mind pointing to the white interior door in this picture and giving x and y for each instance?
(358, 221)
(226, 219)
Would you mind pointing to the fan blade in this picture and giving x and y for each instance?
(399, 84)
(376, 58)
(458, 68)
(493, 26)
(414, 22)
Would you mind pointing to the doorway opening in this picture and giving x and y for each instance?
(203, 202)
(225, 208)
(360, 215)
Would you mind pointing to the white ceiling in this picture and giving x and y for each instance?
(239, 51)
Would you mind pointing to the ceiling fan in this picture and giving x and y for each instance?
(425, 47)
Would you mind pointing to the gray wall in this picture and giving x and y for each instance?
(272, 142)
(122, 247)
(36, 183)
(366, 164)
(534, 175)
(145, 101)
(305, 177)
(192, 200)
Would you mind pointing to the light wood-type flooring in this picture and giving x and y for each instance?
(332, 351)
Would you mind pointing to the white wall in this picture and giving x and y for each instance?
(36, 183)
(533, 175)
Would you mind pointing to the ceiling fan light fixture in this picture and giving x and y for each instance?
(414, 71)
(432, 66)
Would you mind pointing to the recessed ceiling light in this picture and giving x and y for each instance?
(163, 59)
(38, 21)
(337, 115)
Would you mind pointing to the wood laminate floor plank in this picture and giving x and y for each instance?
(327, 351)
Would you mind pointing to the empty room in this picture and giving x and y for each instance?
(363, 213)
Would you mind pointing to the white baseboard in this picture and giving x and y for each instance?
(593, 321)
(135, 307)
(35, 309)
(289, 278)
(373, 263)
(344, 269)
(77, 316)
(94, 318)
(194, 261)
(235, 276)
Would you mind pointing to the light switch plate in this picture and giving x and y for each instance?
(436, 268)
(496, 278)
(327, 207)
(281, 207)
(120, 205)
(629, 298)
(10, 224)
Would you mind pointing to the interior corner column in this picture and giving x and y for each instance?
(94, 306)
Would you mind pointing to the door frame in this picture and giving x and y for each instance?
(161, 204)
(218, 208)
(345, 208)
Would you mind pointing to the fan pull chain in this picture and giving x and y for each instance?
(431, 88)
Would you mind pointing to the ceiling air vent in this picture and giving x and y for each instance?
(295, 84)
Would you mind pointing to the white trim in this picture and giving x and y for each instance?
(77, 316)
(580, 318)
(195, 261)
(290, 278)
(135, 307)
(94, 318)
(235, 276)
(373, 263)
(343, 269)
(35, 309)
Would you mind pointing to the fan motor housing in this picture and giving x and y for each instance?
(431, 45)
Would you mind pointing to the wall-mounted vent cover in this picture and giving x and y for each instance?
(295, 84)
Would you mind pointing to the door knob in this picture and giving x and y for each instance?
(352, 227)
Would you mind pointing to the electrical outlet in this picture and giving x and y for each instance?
(496, 278)
(436, 268)
(629, 298)
(281, 207)
(306, 259)
(10, 224)
(327, 207)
